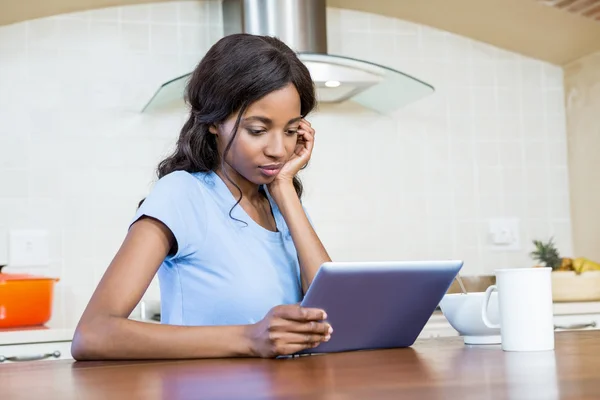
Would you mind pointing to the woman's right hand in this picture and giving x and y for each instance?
(288, 329)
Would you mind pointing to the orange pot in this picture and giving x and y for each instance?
(25, 300)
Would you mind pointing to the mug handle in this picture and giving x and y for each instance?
(486, 302)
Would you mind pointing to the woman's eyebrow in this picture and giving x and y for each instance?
(266, 120)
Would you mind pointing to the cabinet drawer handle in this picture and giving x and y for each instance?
(33, 357)
(576, 326)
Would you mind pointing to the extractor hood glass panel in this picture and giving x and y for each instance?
(324, 70)
(168, 93)
(394, 89)
(335, 94)
(374, 86)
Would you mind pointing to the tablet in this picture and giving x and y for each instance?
(378, 305)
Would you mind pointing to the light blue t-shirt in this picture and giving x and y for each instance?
(224, 272)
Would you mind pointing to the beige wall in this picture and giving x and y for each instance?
(76, 155)
(582, 91)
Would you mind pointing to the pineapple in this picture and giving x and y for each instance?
(567, 264)
(547, 254)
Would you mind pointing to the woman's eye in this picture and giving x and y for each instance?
(256, 131)
(292, 131)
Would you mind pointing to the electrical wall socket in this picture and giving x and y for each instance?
(28, 248)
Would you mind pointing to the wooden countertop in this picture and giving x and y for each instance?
(441, 368)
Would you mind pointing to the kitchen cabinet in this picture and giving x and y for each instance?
(577, 316)
(577, 322)
(35, 344)
(35, 352)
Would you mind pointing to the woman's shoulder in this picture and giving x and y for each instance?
(178, 188)
(176, 200)
(182, 180)
(176, 178)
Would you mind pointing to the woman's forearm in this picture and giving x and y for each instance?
(311, 252)
(114, 338)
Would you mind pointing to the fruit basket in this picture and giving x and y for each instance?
(573, 279)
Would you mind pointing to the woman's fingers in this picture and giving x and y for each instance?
(285, 343)
(305, 125)
(291, 328)
(313, 327)
(302, 338)
(293, 312)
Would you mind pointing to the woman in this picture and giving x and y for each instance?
(224, 225)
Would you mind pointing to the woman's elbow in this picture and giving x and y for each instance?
(87, 343)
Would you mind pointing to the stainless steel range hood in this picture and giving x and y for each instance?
(302, 25)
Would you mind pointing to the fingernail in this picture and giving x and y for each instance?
(324, 315)
(330, 330)
(327, 338)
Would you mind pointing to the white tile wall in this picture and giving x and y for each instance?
(76, 155)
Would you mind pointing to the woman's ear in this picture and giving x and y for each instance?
(213, 129)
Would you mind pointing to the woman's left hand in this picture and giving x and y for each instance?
(301, 155)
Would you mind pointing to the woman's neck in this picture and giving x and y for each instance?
(249, 190)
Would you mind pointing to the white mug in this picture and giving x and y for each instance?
(526, 315)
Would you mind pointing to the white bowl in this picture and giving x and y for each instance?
(463, 312)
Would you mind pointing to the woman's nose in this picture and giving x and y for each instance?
(275, 147)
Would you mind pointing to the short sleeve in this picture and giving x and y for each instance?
(176, 201)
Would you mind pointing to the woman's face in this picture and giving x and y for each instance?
(266, 136)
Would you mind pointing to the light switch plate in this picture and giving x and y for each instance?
(28, 248)
(503, 234)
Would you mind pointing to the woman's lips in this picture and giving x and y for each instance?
(270, 170)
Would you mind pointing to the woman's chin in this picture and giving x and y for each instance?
(264, 180)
